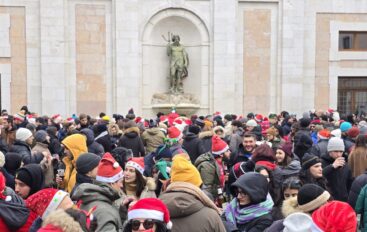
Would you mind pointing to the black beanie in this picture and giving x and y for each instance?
(304, 122)
(31, 175)
(311, 197)
(86, 162)
(309, 160)
(194, 129)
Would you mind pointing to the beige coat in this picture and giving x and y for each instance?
(46, 163)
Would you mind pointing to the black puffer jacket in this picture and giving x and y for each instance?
(102, 137)
(131, 140)
(93, 146)
(356, 188)
(339, 180)
(24, 150)
(193, 146)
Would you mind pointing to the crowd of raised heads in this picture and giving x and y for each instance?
(184, 173)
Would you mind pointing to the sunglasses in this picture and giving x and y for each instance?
(147, 224)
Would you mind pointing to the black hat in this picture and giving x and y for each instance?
(194, 129)
(253, 184)
(199, 122)
(31, 175)
(86, 162)
(311, 197)
(305, 122)
(309, 160)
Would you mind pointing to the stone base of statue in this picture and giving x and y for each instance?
(184, 103)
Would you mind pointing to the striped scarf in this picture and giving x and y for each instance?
(235, 215)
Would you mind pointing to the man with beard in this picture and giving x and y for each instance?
(245, 149)
(8, 131)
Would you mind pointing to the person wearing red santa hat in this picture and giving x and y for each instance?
(149, 215)
(135, 184)
(105, 193)
(175, 141)
(211, 167)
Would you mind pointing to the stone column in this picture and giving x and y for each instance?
(54, 84)
(128, 56)
(224, 56)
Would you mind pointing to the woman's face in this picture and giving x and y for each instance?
(129, 174)
(316, 170)
(143, 225)
(288, 193)
(280, 156)
(242, 197)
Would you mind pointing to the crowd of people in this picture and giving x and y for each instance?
(183, 173)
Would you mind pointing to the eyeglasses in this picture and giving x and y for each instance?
(147, 224)
(240, 192)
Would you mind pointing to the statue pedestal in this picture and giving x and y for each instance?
(184, 103)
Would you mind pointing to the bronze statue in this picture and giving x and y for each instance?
(179, 62)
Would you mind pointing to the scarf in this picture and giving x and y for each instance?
(193, 190)
(235, 215)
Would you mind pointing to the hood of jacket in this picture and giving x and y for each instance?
(132, 132)
(89, 134)
(190, 136)
(150, 185)
(181, 204)
(205, 134)
(13, 212)
(204, 158)
(77, 144)
(95, 192)
(153, 131)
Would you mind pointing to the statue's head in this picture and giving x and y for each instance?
(175, 38)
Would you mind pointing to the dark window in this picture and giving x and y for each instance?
(352, 95)
(353, 40)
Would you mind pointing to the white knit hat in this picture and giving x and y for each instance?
(23, 134)
(335, 144)
(251, 122)
(336, 133)
(299, 222)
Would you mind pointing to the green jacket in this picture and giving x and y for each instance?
(209, 172)
(361, 207)
(104, 197)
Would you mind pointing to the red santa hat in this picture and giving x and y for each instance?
(109, 171)
(70, 120)
(137, 163)
(174, 133)
(218, 145)
(45, 201)
(56, 118)
(259, 117)
(324, 134)
(150, 208)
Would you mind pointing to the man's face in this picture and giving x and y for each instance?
(336, 154)
(22, 189)
(84, 121)
(29, 141)
(5, 124)
(249, 143)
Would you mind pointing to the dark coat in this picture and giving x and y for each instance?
(256, 225)
(339, 180)
(131, 140)
(320, 148)
(193, 146)
(24, 150)
(241, 155)
(356, 188)
(55, 145)
(206, 140)
(93, 146)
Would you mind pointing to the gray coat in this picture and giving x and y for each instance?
(102, 196)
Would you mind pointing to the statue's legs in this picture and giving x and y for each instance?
(172, 87)
(179, 83)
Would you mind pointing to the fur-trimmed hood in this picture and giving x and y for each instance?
(151, 185)
(290, 206)
(205, 134)
(132, 132)
(62, 220)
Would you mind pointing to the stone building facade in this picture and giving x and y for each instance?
(72, 56)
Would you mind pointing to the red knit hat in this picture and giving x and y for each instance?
(324, 134)
(137, 163)
(150, 208)
(335, 216)
(174, 133)
(45, 201)
(353, 132)
(109, 171)
(218, 145)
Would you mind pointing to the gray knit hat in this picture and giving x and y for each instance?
(40, 136)
(335, 144)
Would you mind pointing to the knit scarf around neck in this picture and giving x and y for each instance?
(130, 189)
(236, 216)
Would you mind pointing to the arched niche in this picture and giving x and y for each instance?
(194, 36)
